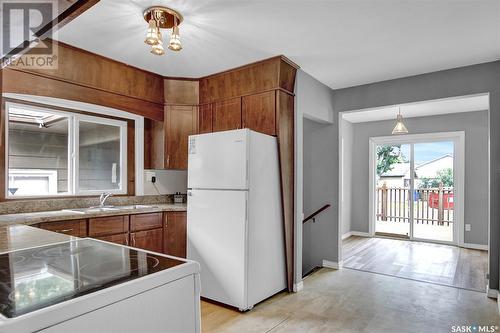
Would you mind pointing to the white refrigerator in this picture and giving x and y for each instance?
(234, 216)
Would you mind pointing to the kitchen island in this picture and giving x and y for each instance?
(57, 283)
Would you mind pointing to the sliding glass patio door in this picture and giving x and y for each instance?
(434, 191)
(414, 190)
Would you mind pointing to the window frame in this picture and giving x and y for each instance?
(73, 151)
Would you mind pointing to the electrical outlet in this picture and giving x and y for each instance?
(467, 227)
(150, 176)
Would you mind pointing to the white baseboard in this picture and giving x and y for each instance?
(491, 293)
(474, 246)
(332, 264)
(298, 286)
(359, 233)
(346, 235)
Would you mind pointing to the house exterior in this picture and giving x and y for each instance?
(399, 176)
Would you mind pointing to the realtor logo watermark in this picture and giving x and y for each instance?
(474, 328)
(22, 21)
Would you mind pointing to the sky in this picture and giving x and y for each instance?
(428, 151)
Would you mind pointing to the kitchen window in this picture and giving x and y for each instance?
(57, 153)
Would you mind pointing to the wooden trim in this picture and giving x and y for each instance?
(51, 77)
(285, 130)
(17, 81)
(130, 158)
(241, 96)
(252, 64)
(69, 46)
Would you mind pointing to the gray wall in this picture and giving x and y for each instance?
(314, 100)
(475, 125)
(320, 188)
(346, 150)
(455, 82)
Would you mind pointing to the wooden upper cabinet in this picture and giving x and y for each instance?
(205, 118)
(227, 115)
(259, 112)
(181, 121)
(154, 146)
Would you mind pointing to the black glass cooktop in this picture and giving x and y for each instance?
(35, 278)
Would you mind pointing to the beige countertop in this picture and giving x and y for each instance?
(59, 215)
(17, 237)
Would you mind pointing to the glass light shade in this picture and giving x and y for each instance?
(175, 40)
(152, 34)
(400, 127)
(158, 49)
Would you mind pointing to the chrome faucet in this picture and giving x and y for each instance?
(102, 199)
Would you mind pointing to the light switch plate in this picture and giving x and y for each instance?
(467, 227)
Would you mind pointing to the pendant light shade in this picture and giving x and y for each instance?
(400, 127)
(152, 33)
(158, 49)
(175, 40)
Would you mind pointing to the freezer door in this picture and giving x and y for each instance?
(218, 160)
(216, 228)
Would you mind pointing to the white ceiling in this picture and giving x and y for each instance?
(341, 43)
(470, 103)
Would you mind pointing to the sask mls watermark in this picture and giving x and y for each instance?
(21, 22)
(474, 328)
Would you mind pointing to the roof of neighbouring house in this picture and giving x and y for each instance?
(398, 170)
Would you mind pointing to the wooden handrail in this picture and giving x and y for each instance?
(313, 215)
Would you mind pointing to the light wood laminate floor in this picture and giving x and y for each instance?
(354, 301)
(435, 263)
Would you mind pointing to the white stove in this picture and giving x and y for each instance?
(88, 285)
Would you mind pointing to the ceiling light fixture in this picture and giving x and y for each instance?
(400, 127)
(159, 17)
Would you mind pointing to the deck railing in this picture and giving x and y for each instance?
(431, 205)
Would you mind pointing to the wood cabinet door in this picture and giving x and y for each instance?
(151, 240)
(121, 239)
(259, 112)
(180, 122)
(175, 234)
(145, 221)
(154, 145)
(108, 225)
(77, 228)
(227, 115)
(205, 118)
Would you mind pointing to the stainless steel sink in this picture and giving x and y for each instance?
(91, 210)
(136, 207)
(106, 209)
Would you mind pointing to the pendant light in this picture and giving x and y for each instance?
(158, 49)
(175, 39)
(400, 127)
(160, 17)
(151, 34)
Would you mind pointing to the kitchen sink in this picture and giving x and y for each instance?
(106, 209)
(136, 207)
(91, 210)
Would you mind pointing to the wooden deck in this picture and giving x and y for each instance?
(435, 263)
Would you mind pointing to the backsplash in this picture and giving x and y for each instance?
(40, 205)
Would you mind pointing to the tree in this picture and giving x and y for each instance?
(387, 156)
(444, 176)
